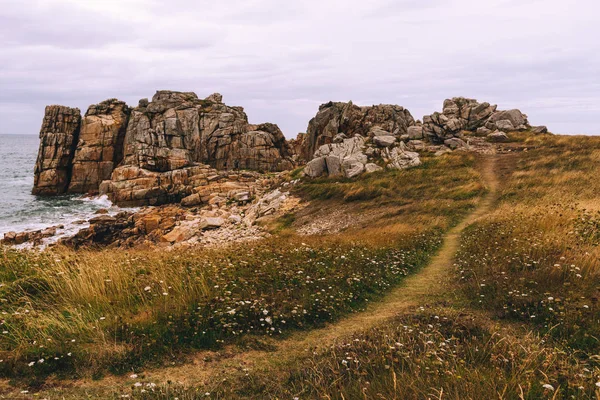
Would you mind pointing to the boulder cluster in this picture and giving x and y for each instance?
(461, 115)
(346, 140)
(164, 136)
(202, 165)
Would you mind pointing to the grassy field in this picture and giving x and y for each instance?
(518, 318)
(507, 309)
(90, 314)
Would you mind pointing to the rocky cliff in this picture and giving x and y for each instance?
(100, 146)
(175, 130)
(58, 139)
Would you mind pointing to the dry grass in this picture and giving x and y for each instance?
(88, 313)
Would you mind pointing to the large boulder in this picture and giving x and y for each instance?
(177, 129)
(461, 114)
(100, 146)
(458, 114)
(58, 139)
(349, 119)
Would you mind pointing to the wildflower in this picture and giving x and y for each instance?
(137, 384)
(133, 376)
(598, 384)
(549, 387)
(147, 288)
(31, 364)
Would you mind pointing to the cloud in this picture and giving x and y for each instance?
(280, 60)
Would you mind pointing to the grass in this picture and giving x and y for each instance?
(542, 264)
(72, 314)
(431, 354)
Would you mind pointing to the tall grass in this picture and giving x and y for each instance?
(86, 313)
(536, 258)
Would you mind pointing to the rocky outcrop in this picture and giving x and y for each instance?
(100, 147)
(468, 115)
(157, 144)
(357, 155)
(58, 138)
(176, 130)
(348, 120)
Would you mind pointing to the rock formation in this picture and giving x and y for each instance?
(348, 120)
(149, 155)
(176, 130)
(58, 138)
(100, 147)
(468, 115)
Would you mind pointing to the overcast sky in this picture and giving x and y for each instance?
(280, 59)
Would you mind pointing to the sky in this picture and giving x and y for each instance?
(281, 59)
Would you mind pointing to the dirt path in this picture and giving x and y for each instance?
(427, 286)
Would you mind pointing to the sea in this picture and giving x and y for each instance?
(21, 211)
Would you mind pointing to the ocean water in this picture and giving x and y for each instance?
(22, 211)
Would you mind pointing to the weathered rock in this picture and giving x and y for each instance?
(497, 137)
(505, 125)
(267, 205)
(100, 146)
(103, 230)
(370, 167)
(415, 132)
(402, 159)
(516, 118)
(483, 131)
(335, 118)
(353, 166)
(461, 114)
(455, 143)
(538, 130)
(177, 129)
(316, 167)
(384, 141)
(191, 200)
(213, 222)
(58, 138)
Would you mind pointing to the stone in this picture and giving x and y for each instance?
(505, 125)
(213, 222)
(459, 114)
(235, 219)
(377, 131)
(316, 167)
(384, 141)
(100, 146)
(516, 117)
(191, 200)
(352, 167)
(335, 118)
(177, 129)
(334, 165)
(179, 234)
(151, 223)
(483, 131)
(58, 139)
(455, 143)
(415, 132)
(370, 167)
(538, 130)
(498, 137)
(402, 159)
